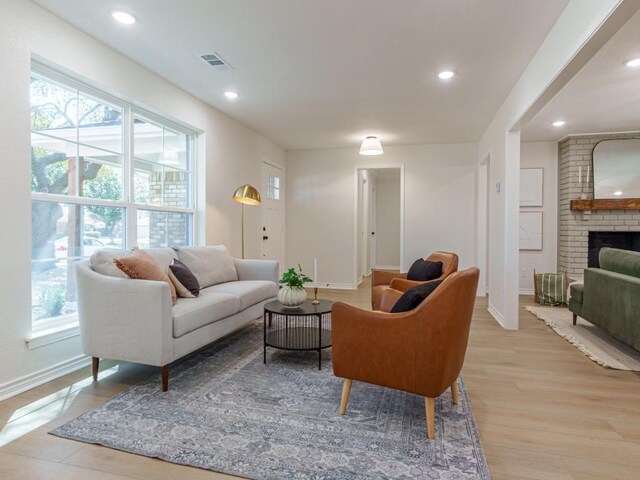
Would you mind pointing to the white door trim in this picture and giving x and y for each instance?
(356, 277)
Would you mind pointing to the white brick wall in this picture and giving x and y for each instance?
(574, 227)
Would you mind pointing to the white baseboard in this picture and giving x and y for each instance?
(333, 286)
(387, 267)
(526, 291)
(493, 311)
(35, 379)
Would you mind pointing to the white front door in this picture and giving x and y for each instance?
(272, 213)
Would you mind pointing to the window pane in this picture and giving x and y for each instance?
(99, 124)
(63, 233)
(147, 141)
(53, 107)
(176, 149)
(101, 174)
(158, 185)
(163, 229)
(50, 164)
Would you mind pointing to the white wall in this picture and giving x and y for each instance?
(583, 27)
(388, 222)
(541, 155)
(440, 186)
(231, 155)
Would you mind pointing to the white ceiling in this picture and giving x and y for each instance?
(604, 96)
(324, 73)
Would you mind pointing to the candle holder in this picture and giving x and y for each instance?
(315, 296)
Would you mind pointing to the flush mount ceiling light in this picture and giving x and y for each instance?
(231, 95)
(446, 75)
(634, 62)
(371, 146)
(124, 17)
(558, 123)
(617, 193)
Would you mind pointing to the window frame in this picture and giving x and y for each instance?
(130, 111)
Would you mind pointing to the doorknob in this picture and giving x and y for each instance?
(264, 237)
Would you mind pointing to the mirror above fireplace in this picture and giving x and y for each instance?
(616, 169)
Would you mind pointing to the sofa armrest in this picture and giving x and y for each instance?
(383, 277)
(612, 301)
(257, 269)
(373, 346)
(124, 319)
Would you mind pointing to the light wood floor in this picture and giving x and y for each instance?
(543, 409)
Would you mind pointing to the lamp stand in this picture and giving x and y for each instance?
(242, 226)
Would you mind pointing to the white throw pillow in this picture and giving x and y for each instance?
(163, 255)
(102, 261)
(211, 265)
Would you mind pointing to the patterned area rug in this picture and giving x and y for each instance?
(226, 411)
(594, 342)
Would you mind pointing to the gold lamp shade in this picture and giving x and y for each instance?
(247, 195)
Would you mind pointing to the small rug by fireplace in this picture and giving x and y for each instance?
(594, 342)
(227, 412)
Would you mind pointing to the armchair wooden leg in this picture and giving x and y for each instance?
(95, 367)
(455, 397)
(430, 410)
(575, 318)
(165, 378)
(346, 390)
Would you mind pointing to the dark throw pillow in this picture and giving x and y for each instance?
(185, 277)
(424, 270)
(414, 297)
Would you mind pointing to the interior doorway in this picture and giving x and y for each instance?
(272, 245)
(484, 225)
(379, 219)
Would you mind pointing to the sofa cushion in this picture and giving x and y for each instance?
(424, 270)
(102, 261)
(414, 297)
(189, 314)
(620, 261)
(141, 266)
(163, 256)
(185, 278)
(576, 291)
(249, 292)
(211, 265)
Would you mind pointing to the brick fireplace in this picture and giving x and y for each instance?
(574, 227)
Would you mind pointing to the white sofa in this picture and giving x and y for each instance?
(134, 321)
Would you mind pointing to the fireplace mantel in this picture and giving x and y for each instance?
(606, 204)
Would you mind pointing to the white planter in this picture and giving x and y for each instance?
(292, 297)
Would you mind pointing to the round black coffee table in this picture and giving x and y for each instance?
(307, 327)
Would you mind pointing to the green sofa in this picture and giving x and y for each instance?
(610, 295)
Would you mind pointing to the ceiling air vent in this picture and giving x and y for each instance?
(216, 61)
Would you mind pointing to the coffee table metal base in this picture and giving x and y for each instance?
(305, 328)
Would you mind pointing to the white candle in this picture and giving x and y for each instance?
(580, 175)
(315, 271)
(588, 173)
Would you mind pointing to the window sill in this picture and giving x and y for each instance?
(52, 334)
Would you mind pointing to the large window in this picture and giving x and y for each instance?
(104, 174)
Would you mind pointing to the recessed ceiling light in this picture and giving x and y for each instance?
(124, 17)
(618, 193)
(634, 62)
(231, 95)
(559, 123)
(446, 75)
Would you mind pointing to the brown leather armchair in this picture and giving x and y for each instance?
(420, 351)
(381, 280)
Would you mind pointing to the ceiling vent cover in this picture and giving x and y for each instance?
(216, 61)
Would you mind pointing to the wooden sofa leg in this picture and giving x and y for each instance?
(95, 366)
(575, 318)
(430, 410)
(346, 390)
(165, 378)
(455, 397)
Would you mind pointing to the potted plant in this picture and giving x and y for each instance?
(292, 293)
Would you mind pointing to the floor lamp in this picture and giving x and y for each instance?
(246, 195)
